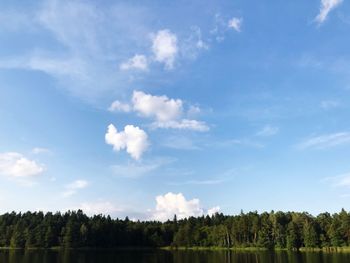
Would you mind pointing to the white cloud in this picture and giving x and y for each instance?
(138, 62)
(161, 108)
(168, 113)
(268, 131)
(133, 139)
(100, 207)
(326, 7)
(119, 106)
(172, 204)
(14, 164)
(73, 187)
(235, 23)
(212, 211)
(165, 48)
(326, 141)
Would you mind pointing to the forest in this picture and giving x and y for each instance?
(74, 229)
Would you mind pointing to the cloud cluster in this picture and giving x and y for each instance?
(326, 7)
(164, 50)
(73, 187)
(165, 112)
(14, 164)
(172, 204)
(133, 139)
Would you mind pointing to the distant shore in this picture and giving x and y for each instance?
(170, 248)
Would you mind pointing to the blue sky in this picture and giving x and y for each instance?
(151, 108)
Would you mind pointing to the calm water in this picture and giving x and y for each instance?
(168, 257)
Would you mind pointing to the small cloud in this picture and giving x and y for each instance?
(161, 108)
(165, 47)
(39, 150)
(133, 139)
(172, 204)
(325, 141)
(268, 131)
(235, 23)
(15, 165)
(119, 106)
(100, 207)
(193, 111)
(138, 62)
(212, 211)
(73, 187)
(326, 7)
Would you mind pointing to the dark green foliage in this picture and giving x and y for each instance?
(267, 230)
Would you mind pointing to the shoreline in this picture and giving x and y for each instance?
(169, 248)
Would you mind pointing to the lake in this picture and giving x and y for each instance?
(112, 256)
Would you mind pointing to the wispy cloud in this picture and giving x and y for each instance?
(40, 150)
(90, 45)
(180, 143)
(329, 104)
(236, 142)
(338, 181)
(140, 169)
(137, 62)
(325, 141)
(267, 131)
(74, 187)
(326, 7)
(200, 182)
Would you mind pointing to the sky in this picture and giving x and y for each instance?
(152, 108)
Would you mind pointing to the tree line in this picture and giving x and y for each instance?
(73, 229)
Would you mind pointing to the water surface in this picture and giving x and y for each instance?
(112, 256)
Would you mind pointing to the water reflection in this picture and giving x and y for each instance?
(112, 256)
